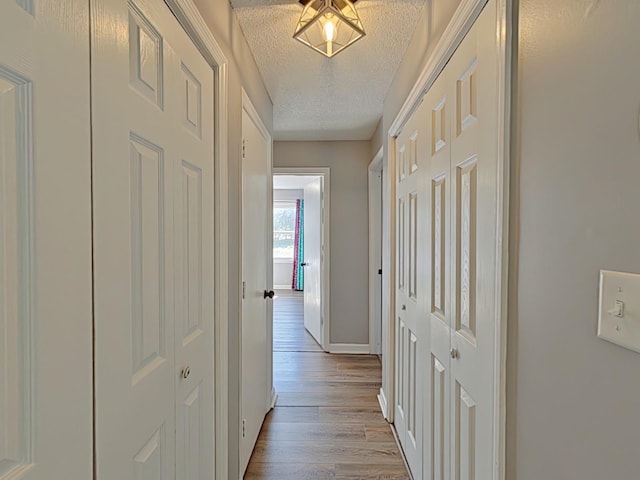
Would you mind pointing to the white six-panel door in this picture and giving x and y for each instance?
(459, 177)
(411, 328)
(255, 382)
(153, 152)
(463, 187)
(45, 241)
(313, 235)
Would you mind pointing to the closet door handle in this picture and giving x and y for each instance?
(454, 353)
(304, 264)
(269, 294)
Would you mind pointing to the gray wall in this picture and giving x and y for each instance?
(575, 399)
(242, 72)
(349, 228)
(283, 272)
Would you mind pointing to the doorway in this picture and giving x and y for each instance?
(300, 259)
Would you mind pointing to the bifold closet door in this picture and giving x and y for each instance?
(411, 327)
(463, 184)
(153, 154)
(45, 241)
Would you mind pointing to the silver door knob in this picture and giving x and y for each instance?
(186, 371)
(454, 353)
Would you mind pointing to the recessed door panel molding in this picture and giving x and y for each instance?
(148, 316)
(402, 163)
(413, 153)
(412, 365)
(438, 246)
(149, 462)
(465, 435)
(146, 70)
(467, 98)
(401, 362)
(27, 5)
(188, 458)
(439, 420)
(413, 245)
(17, 326)
(439, 126)
(192, 102)
(467, 199)
(191, 252)
(402, 233)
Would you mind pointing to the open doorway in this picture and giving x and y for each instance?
(300, 248)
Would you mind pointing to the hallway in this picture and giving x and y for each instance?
(327, 422)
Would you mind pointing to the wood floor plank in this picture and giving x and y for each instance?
(320, 452)
(314, 432)
(327, 423)
(371, 472)
(289, 471)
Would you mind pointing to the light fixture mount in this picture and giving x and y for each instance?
(329, 26)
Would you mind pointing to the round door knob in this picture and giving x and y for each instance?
(269, 294)
(186, 371)
(304, 264)
(454, 353)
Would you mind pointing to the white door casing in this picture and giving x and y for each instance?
(256, 229)
(45, 241)
(153, 161)
(313, 220)
(375, 196)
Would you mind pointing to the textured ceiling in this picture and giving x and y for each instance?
(317, 98)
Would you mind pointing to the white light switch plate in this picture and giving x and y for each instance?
(619, 310)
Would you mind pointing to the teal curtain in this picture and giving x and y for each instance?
(298, 249)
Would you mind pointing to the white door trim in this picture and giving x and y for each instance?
(189, 17)
(250, 109)
(460, 24)
(375, 249)
(325, 173)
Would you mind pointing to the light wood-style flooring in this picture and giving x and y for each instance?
(327, 422)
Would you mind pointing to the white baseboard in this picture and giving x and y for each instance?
(382, 400)
(350, 348)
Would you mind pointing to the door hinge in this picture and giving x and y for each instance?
(379, 271)
(244, 148)
(244, 428)
(244, 290)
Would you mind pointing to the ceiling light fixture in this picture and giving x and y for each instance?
(329, 26)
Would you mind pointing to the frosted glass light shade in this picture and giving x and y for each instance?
(329, 26)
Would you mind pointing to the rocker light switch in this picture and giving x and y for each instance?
(619, 311)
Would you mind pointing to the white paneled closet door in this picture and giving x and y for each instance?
(463, 187)
(45, 241)
(153, 154)
(411, 327)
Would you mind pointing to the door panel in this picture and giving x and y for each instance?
(255, 257)
(313, 235)
(153, 245)
(462, 186)
(45, 241)
(412, 150)
(474, 166)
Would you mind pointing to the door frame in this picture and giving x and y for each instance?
(325, 286)
(463, 19)
(196, 28)
(375, 252)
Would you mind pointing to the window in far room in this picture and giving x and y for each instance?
(284, 228)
